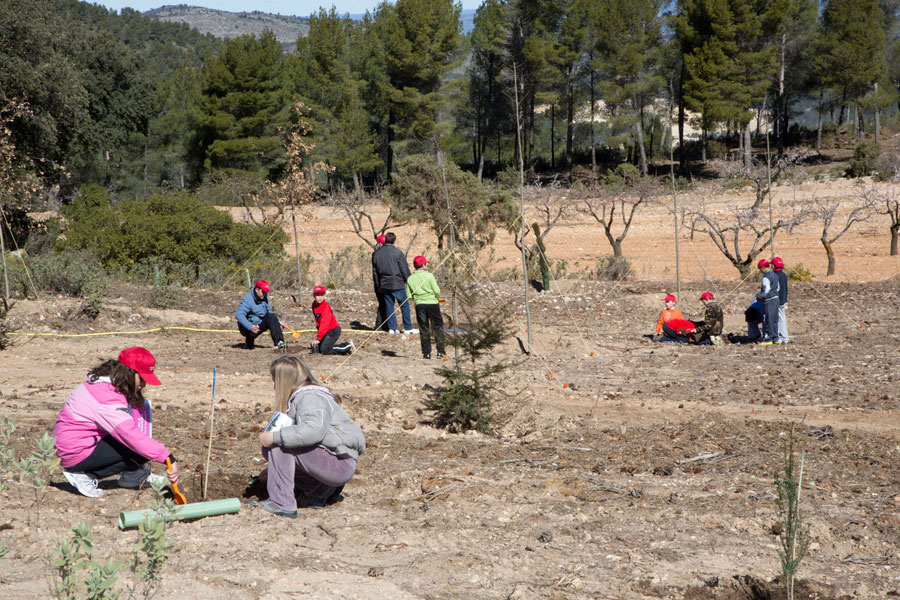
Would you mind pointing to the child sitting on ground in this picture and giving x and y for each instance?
(328, 328)
(667, 314)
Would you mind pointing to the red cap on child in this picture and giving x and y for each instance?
(380, 239)
(263, 285)
(142, 361)
(762, 264)
(707, 296)
(777, 262)
(319, 289)
(419, 261)
(669, 297)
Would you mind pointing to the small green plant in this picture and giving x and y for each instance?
(153, 548)
(793, 533)
(7, 454)
(76, 555)
(464, 402)
(613, 268)
(799, 273)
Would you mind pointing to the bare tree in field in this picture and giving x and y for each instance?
(615, 204)
(551, 211)
(742, 231)
(885, 200)
(364, 223)
(826, 211)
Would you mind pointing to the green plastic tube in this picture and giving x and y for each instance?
(185, 512)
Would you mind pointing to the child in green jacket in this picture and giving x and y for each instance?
(424, 291)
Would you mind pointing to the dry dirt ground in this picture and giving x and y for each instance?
(592, 485)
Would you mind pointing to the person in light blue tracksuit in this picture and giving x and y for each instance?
(769, 294)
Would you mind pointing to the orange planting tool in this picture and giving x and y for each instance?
(179, 497)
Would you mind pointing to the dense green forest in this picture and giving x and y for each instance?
(133, 103)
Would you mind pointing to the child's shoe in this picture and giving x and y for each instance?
(84, 483)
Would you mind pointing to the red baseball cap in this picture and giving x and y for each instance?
(777, 262)
(140, 360)
(380, 239)
(669, 297)
(707, 296)
(419, 261)
(763, 263)
(263, 285)
(319, 289)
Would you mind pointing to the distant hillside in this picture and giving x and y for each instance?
(224, 24)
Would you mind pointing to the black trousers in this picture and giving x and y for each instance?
(328, 344)
(428, 317)
(270, 323)
(109, 457)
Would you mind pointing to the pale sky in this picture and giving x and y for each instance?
(300, 8)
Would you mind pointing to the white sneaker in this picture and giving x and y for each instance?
(393, 332)
(84, 483)
(413, 332)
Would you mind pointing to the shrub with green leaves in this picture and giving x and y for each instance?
(865, 157)
(793, 533)
(177, 227)
(799, 273)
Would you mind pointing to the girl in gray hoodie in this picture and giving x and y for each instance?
(315, 455)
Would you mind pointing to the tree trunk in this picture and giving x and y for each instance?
(748, 148)
(640, 140)
(682, 160)
(877, 121)
(830, 254)
(703, 147)
(552, 137)
(570, 124)
(743, 269)
(819, 129)
(529, 156)
(782, 113)
(389, 152)
(360, 193)
(895, 238)
(616, 247)
(593, 100)
(861, 125)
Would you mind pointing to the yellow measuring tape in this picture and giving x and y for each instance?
(154, 330)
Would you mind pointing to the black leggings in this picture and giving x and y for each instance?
(109, 457)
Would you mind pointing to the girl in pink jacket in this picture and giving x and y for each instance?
(106, 426)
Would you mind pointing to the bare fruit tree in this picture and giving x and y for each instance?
(885, 200)
(551, 206)
(827, 211)
(741, 230)
(614, 205)
(361, 216)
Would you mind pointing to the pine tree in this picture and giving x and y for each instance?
(243, 104)
(628, 42)
(421, 43)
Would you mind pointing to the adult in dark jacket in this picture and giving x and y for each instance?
(254, 316)
(778, 267)
(381, 317)
(389, 274)
(768, 293)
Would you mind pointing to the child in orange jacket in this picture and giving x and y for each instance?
(668, 313)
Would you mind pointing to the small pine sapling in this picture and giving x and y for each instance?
(464, 402)
(793, 533)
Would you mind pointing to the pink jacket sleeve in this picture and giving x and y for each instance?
(114, 417)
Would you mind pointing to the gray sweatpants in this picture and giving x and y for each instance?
(782, 325)
(311, 469)
(771, 332)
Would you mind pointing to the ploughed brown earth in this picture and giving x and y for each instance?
(619, 468)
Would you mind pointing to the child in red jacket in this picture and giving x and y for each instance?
(328, 328)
